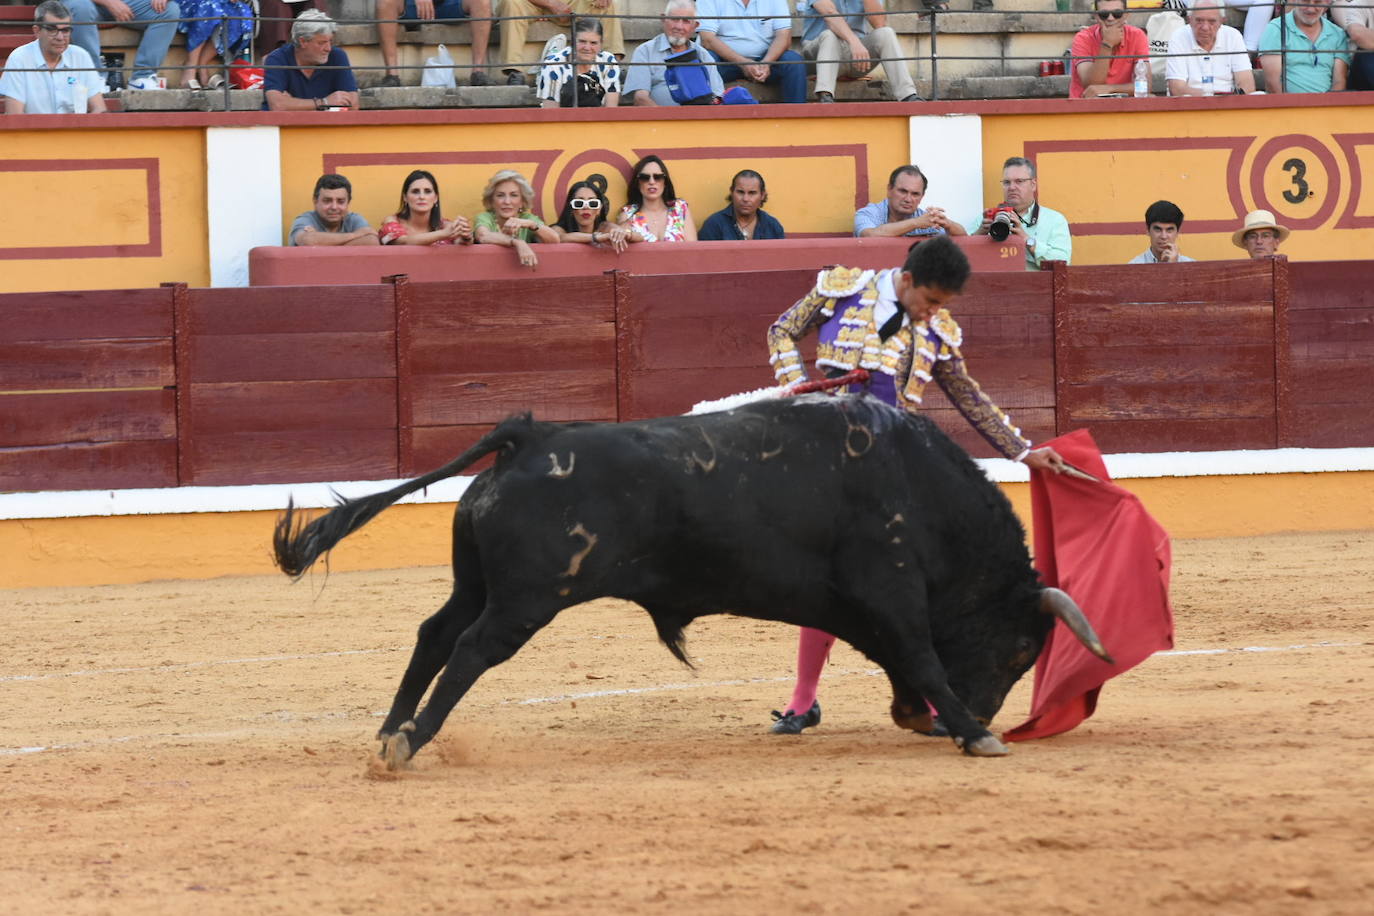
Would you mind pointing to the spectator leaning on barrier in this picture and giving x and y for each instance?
(901, 213)
(508, 218)
(156, 19)
(1208, 58)
(756, 46)
(1259, 235)
(650, 76)
(515, 30)
(390, 11)
(1104, 54)
(61, 78)
(743, 218)
(1357, 18)
(853, 32)
(331, 223)
(594, 72)
(1042, 232)
(309, 73)
(1163, 221)
(1316, 59)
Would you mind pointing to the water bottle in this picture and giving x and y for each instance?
(1142, 79)
(1208, 84)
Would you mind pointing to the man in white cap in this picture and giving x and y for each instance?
(1260, 236)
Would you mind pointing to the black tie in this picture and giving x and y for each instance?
(890, 326)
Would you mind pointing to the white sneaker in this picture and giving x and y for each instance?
(552, 46)
(144, 83)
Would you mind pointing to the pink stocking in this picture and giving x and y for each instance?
(812, 651)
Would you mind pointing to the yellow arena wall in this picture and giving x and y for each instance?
(134, 190)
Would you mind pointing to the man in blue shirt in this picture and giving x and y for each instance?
(309, 74)
(744, 218)
(647, 80)
(1317, 58)
(853, 32)
(757, 49)
(901, 213)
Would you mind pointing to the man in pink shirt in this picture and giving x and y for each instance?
(1104, 55)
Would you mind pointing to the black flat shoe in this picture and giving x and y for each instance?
(792, 723)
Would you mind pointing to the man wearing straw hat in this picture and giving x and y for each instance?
(1260, 236)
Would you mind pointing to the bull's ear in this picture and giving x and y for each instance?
(1058, 604)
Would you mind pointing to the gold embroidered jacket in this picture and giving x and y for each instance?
(841, 306)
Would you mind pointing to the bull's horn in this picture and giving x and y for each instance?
(1058, 603)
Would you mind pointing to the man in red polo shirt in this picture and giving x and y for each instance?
(1104, 54)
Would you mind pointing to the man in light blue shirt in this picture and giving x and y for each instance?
(756, 48)
(647, 79)
(1043, 233)
(61, 78)
(853, 32)
(901, 214)
(1318, 58)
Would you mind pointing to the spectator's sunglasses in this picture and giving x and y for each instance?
(646, 177)
(59, 29)
(586, 203)
(1104, 15)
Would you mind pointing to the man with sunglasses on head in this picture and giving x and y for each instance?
(1104, 54)
(61, 77)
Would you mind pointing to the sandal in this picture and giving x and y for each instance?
(192, 84)
(935, 6)
(215, 82)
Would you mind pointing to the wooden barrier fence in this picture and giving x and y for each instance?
(179, 386)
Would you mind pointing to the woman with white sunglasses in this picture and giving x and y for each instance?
(586, 217)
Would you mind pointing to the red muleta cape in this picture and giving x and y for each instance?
(1096, 542)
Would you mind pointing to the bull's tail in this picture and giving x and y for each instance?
(297, 545)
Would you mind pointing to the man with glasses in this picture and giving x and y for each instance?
(1316, 59)
(1041, 232)
(61, 79)
(1104, 54)
(1208, 58)
(653, 81)
(1259, 235)
(156, 19)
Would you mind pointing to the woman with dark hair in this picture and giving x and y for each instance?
(744, 218)
(586, 216)
(655, 213)
(581, 76)
(419, 221)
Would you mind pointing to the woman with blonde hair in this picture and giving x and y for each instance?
(508, 219)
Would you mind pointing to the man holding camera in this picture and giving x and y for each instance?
(1041, 232)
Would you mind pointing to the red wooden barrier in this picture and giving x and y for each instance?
(287, 384)
(1185, 361)
(1331, 339)
(471, 354)
(86, 396)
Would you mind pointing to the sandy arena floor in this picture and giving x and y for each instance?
(205, 747)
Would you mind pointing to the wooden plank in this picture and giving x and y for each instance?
(666, 392)
(219, 458)
(288, 357)
(1329, 332)
(486, 397)
(1182, 435)
(1330, 285)
(290, 310)
(535, 348)
(1159, 401)
(298, 406)
(685, 341)
(1333, 426)
(85, 315)
(1178, 324)
(1012, 384)
(87, 417)
(1167, 365)
(1333, 381)
(90, 466)
(524, 302)
(434, 446)
(653, 297)
(1223, 281)
(41, 365)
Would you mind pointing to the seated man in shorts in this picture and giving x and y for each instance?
(388, 11)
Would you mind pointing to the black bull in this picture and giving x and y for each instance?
(838, 513)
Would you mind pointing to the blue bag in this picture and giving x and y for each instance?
(687, 81)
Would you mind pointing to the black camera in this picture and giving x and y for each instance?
(1001, 217)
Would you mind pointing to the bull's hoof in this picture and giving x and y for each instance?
(986, 746)
(396, 749)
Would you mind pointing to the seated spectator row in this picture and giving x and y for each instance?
(653, 213)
